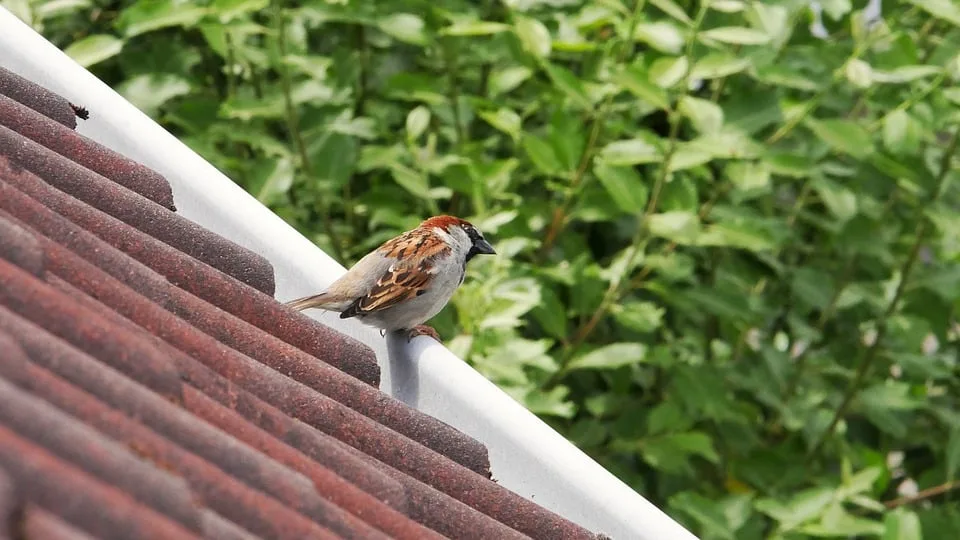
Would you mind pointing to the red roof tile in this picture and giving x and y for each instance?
(154, 388)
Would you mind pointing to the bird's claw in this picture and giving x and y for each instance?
(422, 330)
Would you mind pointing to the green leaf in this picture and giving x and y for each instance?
(417, 121)
(569, 84)
(333, 158)
(844, 525)
(149, 92)
(541, 154)
(414, 182)
(903, 74)
(643, 317)
(636, 80)
(534, 36)
(505, 120)
(772, 19)
(507, 79)
(680, 227)
(718, 65)
(551, 313)
(690, 154)
(804, 506)
(859, 73)
(901, 524)
(841, 201)
(751, 235)
(668, 72)
(672, 452)
(630, 152)
(624, 185)
(228, 10)
(405, 27)
(708, 513)
(843, 135)
(149, 15)
(901, 135)
(672, 9)
(706, 116)
(736, 35)
(474, 28)
(271, 179)
(610, 357)
(942, 9)
(552, 403)
(94, 49)
(860, 482)
(750, 179)
(662, 36)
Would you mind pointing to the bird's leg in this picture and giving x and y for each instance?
(422, 330)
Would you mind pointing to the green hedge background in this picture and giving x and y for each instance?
(728, 247)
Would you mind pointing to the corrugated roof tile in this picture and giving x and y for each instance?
(135, 210)
(37, 98)
(38, 523)
(86, 152)
(158, 390)
(110, 244)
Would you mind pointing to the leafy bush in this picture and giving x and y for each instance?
(727, 245)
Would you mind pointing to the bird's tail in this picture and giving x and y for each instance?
(307, 302)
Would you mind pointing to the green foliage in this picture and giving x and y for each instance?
(727, 248)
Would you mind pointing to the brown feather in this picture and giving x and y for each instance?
(308, 302)
(406, 278)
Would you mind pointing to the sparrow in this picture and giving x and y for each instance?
(407, 280)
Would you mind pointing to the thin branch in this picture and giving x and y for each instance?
(558, 221)
(870, 355)
(451, 58)
(923, 494)
(639, 240)
(293, 121)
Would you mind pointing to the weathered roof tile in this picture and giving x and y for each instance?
(156, 389)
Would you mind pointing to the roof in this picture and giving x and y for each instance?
(155, 388)
(525, 455)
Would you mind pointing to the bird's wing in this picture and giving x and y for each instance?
(414, 256)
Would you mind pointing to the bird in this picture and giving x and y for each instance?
(406, 280)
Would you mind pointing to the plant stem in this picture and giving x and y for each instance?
(451, 58)
(800, 364)
(871, 353)
(923, 494)
(293, 122)
(639, 239)
(912, 100)
(558, 221)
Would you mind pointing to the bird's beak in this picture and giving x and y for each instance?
(483, 247)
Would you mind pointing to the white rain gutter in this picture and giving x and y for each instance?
(526, 455)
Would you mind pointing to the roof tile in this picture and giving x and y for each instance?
(86, 152)
(110, 244)
(137, 211)
(158, 390)
(37, 98)
(38, 523)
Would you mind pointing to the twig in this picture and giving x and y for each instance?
(923, 494)
(871, 354)
(451, 57)
(557, 222)
(640, 237)
(293, 122)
